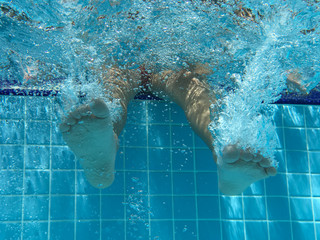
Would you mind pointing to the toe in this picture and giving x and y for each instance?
(246, 155)
(84, 110)
(230, 153)
(264, 163)
(76, 114)
(257, 158)
(99, 108)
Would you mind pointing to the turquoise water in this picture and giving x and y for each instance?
(166, 181)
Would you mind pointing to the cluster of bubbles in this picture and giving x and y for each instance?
(249, 44)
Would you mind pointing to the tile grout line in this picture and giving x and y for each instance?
(24, 167)
(309, 168)
(243, 218)
(195, 185)
(171, 173)
(287, 181)
(50, 172)
(148, 168)
(124, 188)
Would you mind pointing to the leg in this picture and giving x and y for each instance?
(92, 136)
(237, 169)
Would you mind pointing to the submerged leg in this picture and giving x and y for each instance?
(92, 136)
(237, 169)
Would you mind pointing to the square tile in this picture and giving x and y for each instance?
(12, 132)
(88, 207)
(184, 207)
(183, 183)
(204, 160)
(209, 229)
(293, 116)
(280, 230)
(38, 108)
(136, 158)
(252, 228)
(316, 208)
(278, 208)
(315, 185)
(37, 157)
(136, 182)
(117, 187)
(132, 131)
(11, 157)
(10, 231)
(88, 230)
(312, 116)
(177, 115)
(11, 182)
(182, 159)
(208, 207)
(159, 136)
(113, 230)
(160, 183)
(159, 159)
(10, 208)
(231, 207)
(63, 158)
(61, 230)
(254, 208)
(299, 185)
(62, 208)
(161, 230)
(313, 139)
(112, 207)
(182, 136)
(158, 112)
(277, 185)
(207, 183)
(38, 133)
(137, 112)
(36, 208)
(231, 229)
(297, 161)
(137, 230)
(185, 230)
(12, 107)
(295, 139)
(63, 182)
(36, 182)
(161, 207)
(314, 162)
(303, 230)
(301, 209)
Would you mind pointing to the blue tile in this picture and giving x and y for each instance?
(177, 115)
(36, 182)
(299, 185)
(11, 157)
(10, 231)
(161, 207)
(12, 107)
(62, 208)
(88, 207)
(137, 209)
(279, 157)
(208, 207)
(199, 143)
(277, 185)
(160, 183)
(117, 187)
(314, 162)
(316, 208)
(83, 186)
(12, 132)
(295, 139)
(254, 208)
(161, 230)
(185, 230)
(297, 161)
(10, 208)
(35, 230)
(301, 209)
(256, 231)
(182, 159)
(315, 184)
(183, 183)
(207, 183)
(182, 136)
(62, 182)
(303, 230)
(256, 188)
(38, 108)
(312, 116)
(278, 208)
(158, 112)
(277, 117)
(136, 135)
(88, 230)
(293, 116)
(136, 158)
(63, 158)
(231, 229)
(204, 160)
(184, 207)
(36, 208)
(11, 182)
(159, 136)
(314, 139)
(279, 138)
(38, 133)
(280, 230)
(136, 183)
(61, 230)
(112, 230)
(112, 207)
(209, 229)
(137, 230)
(56, 135)
(37, 157)
(137, 112)
(231, 207)
(159, 159)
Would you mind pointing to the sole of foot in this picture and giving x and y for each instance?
(238, 169)
(88, 131)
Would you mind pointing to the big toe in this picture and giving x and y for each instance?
(99, 108)
(230, 153)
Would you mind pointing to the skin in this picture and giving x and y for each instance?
(92, 136)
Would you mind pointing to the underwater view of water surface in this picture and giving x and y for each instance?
(260, 59)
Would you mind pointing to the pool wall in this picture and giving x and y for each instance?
(166, 180)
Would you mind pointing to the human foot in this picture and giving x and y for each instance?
(237, 169)
(88, 131)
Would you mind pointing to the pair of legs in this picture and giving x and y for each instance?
(92, 136)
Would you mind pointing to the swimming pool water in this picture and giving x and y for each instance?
(166, 180)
